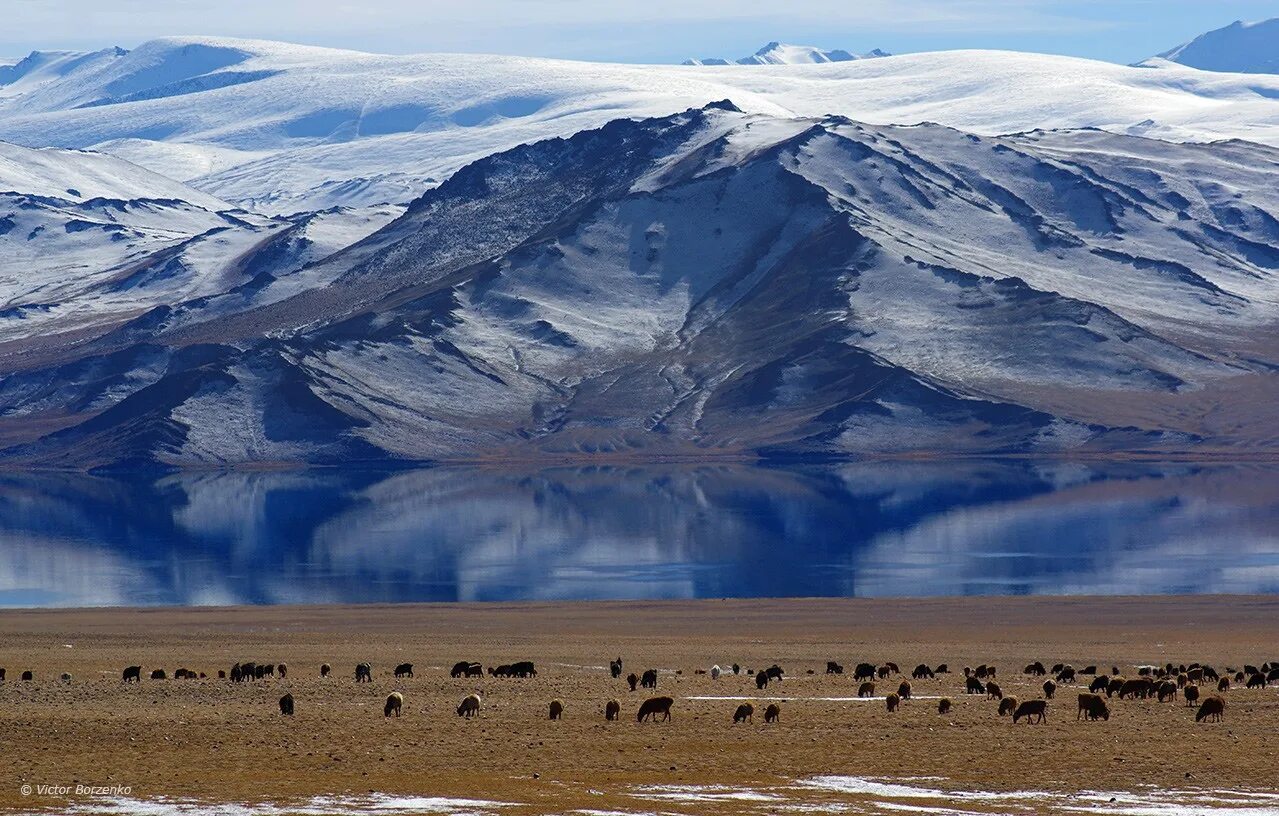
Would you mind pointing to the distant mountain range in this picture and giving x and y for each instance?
(220, 252)
(776, 53)
(1246, 48)
(283, 129)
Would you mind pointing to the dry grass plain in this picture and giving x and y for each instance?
(214, 741)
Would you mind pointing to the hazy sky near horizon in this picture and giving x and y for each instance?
(626, 31)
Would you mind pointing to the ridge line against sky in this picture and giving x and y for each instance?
(657, 31)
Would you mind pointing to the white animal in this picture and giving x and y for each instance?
(715, 672)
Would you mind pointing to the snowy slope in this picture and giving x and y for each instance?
(87, 239)
(1245, 48)
(716, 282)
(776, 53)
(286, 128)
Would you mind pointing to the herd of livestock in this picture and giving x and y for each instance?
(1161, 683)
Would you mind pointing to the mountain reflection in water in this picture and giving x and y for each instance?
(469, 534)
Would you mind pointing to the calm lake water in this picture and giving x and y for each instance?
(458, 534)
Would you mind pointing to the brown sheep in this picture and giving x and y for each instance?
(470, 706)
(1036, 709)
(903, 691)
(744, 713)
(866, 690)
(993, 691)
(557, 710)
(943, 705)
(1007, 705)
(653, 706)
(1211, 708)
(893, 701)
(612, 710)
(773, 713)
(394, 702)
(1050, 688)
(1191, 693)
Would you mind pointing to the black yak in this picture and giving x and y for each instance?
(744, 713)
(654, 706)
(773, 713)
(612, 710)
(286, 705)
(557, 710)
(364, 674)
(404, 670)
(649, 680)
(1032, 710)
(133, 674)
(1211, 708)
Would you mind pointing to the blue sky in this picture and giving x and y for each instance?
(647, 31)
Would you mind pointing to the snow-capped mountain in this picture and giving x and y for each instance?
(776, 53)
(1244, 48)
(280, 128)
(715, 282)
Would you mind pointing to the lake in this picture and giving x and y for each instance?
(471, 534)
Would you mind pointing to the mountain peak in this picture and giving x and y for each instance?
(1241, 47)
(780, 53)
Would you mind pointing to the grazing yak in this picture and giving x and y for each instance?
(503, 670)
(1032, 710)
(615, 668)
(942, 669)
(1035, 669)
(1099, 683)
(1211, 709)
(1089, 670)
(943, 705)
(994, 691)
(394, 702)
(283, 669)
(1116, 684)
(833, 668)
(975, 686)
(652, 707)
(1093, 706)
(1050, 688)
(557, 710)
(524, 668)
(922, 671)
(221, 674)
(1066, 675)
(325, 668)
(774, 672)
(364, 673)
(864, 671)
(65, 677)
(866, 689)
(463, 668)
(892, 701)
(612, 710)
(744, 713)
(1191, 694)
(1140, 687)
(470, 706)
(1007, 706)
(1256, 680)
(133, 674)
(884, 672)
(649, 680)
(773, 713)
(404, 670)
(1223, 684)
(903, 691)
(632, 680)
(28, 676)
(1167, 691)
(158, 674)
(761, 680)
(286, 705)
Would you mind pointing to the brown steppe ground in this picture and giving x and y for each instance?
(208, 739)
